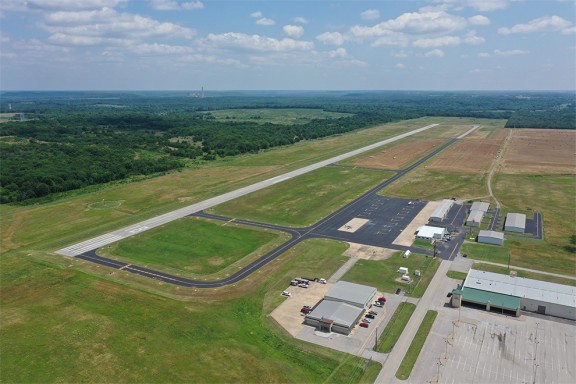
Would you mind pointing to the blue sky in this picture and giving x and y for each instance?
(287, 45)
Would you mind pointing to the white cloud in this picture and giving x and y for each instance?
(437, 41)
(300, 20)
(234, 40)
(541, 24)
(265, 21)
(295, 31)
(168, 5)
(160, 49)
(480, 5)
(370, 14)
(4, 38)
(108, 25)
(435, 53)
(479, 20)
(331, 38)
(256, 14)
(400, 66)
(339, 53)
(472, 39)
(391, 39)
(425, 22)
(400, 55)
(499, 53)
(71, 5)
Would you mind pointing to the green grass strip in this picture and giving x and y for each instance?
(456, 275)
(409, 360)
(395, 327)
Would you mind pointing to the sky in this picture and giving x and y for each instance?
(287, 45)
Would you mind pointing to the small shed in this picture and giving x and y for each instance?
(491, 237)
(515, 222)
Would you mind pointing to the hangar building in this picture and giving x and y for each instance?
(442, 210)
(515, 222)
(427, 232)
(513, 294)
(490, 237)
(342, 307)
(477, 212)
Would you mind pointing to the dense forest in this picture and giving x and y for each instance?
(55, 142)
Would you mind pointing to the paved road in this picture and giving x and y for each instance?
(112, 237)
(298, 234)
(436, 288)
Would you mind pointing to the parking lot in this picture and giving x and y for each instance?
(492, 348)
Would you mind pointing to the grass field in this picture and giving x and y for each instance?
(383, 274)
(194, 245)
(303, 200)
(457, 275)
(63, 325)
(403, 372)
(395, 327)
(286, 116)
(486, 252)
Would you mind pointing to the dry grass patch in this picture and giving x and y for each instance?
(398, 156)
(541, 151)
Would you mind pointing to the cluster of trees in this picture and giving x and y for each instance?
(75, 140)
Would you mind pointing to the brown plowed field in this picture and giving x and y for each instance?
(541, 151)
(399, 155)
(474, 153)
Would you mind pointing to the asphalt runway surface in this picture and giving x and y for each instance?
(390, 216)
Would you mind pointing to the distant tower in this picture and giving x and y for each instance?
(202, 92)
(9, 106)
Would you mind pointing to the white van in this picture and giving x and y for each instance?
(403, 270)
(406, 278)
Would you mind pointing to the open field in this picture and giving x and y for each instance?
(397, 156)
(471, 154)
(275, 115)
(303, 200)
(63, 325)
(194, 245)
(541, 151)
(383, 274)
(486, 252)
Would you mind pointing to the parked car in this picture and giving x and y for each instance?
(364, 325)
(286, 293)
(322, 281)
(379, 304)
(373, 313)
(382, 299)
(398, 291)
(307, 307)
(303, 285)
(369, 316)
(305, 311)
(366, 320)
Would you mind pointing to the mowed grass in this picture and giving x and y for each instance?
(457, 275)
(383, 274)
(486, 252)
(522, 273)
(59, 324)
(395, 327)
(306, 199)
(405, 369)
(284, 116)
(192, 244)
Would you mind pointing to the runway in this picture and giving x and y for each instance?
(86, 250)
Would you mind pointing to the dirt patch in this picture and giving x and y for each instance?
(216, 261)
(541, 151)
(367, 252)
(471, 154)
(408, 236)
(8, 242)
(399, 155)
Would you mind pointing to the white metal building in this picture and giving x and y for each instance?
(477, 212)
(480, 206)
(442, 210)
(427, 232)
(334, 316)
(357, 295)
(490, 237)
(535, 295)
(515, 222)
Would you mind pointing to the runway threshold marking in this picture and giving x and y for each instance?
(126, 266)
